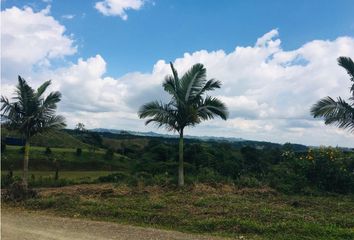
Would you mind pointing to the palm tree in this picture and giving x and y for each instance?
(31, 114)
(188, 106)
(338, 112)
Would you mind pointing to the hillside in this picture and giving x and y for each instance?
(52, 139)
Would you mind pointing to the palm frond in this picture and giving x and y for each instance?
(170, 86)
(30, 113)
(212, 107)
(210, 85)
(193, 81)
(160, 114)
(337, 112)
(348, 64)
(42, 88)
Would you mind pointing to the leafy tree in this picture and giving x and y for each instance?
(80, 127)
(30, 114)
(188, 106)
(338, 112)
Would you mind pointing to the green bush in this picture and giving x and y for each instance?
(115, 177)
(78, 151)
(48, 151)
(248, 181)
(207, 175)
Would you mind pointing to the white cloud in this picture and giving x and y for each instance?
(31, 39)
(68, 16)
(118, 7)
(268, 90)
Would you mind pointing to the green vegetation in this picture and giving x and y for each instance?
(153, 162)
(58, 139)
(48, 179)
(338, 112)
(30, 115)
(67, 157)
(219, 210)
(188, 106)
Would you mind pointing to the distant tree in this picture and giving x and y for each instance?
(338, 112)
(80, 127)
(189, 105)
(47, 151)
(78, 151)
(31, 114)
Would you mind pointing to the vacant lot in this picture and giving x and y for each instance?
(220, 210)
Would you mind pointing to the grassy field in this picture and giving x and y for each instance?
(71, 175)
(223, 210)
(52, 139)
(67, 158)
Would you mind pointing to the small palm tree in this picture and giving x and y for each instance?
(188, 106)
(31, 114)
(338, 112)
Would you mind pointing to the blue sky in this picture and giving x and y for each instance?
(166, 29)
(108, 57)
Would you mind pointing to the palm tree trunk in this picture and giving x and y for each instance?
(180, 165)
(25, 164)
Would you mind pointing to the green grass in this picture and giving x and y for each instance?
(70, 175)
(254, 214)
(52, 139)
(67, 158)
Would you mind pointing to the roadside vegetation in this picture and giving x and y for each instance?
(219, 209)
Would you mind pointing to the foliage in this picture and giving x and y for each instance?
(48, 151)
(109, 154)
(18, 191)
(338, 112)
(220, 210)
(31, 113)
(78, 152)
(189, 105)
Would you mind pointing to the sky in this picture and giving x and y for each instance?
(108, 57)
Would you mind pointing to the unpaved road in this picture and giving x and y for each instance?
(23, 225)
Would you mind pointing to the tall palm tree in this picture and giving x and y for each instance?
(31, 113)
(338, 112)
(188, 106)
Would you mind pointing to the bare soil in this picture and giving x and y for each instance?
(20, 224)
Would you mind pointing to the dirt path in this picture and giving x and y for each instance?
(20, 225)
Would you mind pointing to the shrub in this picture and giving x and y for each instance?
(248, 181)
(48, 151)
(78, 151)
(207, 175)
(109, 154)
(17, 192)
(162, 179)
(115, 177)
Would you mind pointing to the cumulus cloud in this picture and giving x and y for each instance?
(268, 90)
(31, 39)
(118, 7)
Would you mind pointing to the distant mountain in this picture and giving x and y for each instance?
(153, 134)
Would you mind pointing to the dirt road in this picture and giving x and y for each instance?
(23, 225)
